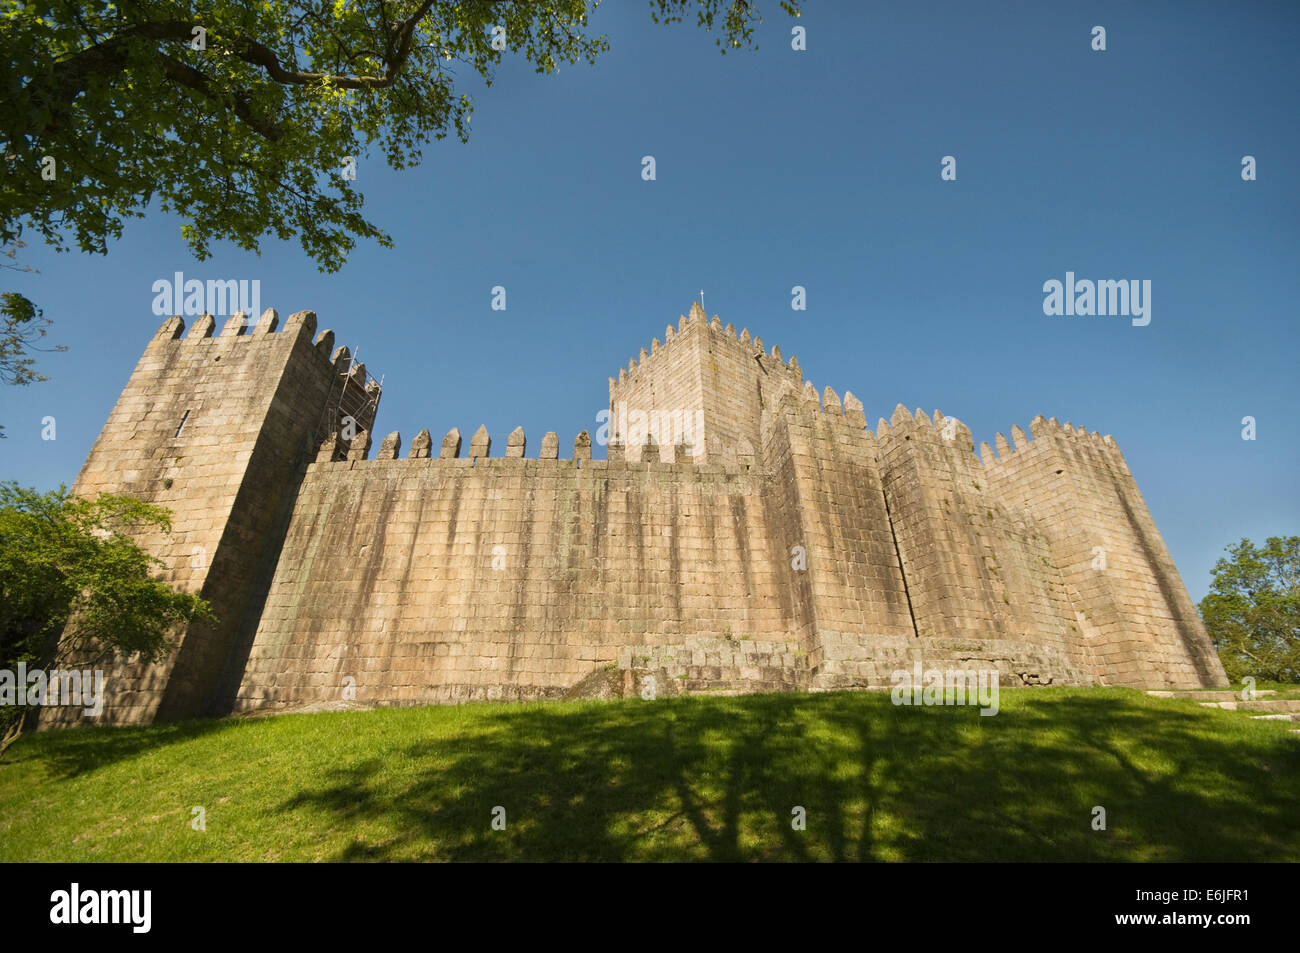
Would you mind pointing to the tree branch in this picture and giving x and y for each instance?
(256, 54)
(191, 78)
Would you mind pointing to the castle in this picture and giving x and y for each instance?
(744, 534)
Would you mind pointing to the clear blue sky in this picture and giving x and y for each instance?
(817, 168)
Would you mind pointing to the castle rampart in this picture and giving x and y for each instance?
(826, 553)
(419, 577)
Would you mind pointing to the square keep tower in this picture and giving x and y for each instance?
(704, 388)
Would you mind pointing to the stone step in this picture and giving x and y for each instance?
(1275, 704)
(1284, 717)
(754, 663)
(743, 673)
(727, 687)
(628, 683)
(1214, 696)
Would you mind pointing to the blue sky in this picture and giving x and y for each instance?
(818, 168)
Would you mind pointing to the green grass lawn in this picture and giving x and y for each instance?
(676, 779)
(1279, 689)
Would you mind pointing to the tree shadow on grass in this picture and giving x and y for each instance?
(70, 752)
(718, 779)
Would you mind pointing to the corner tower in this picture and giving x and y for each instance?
(218, 429)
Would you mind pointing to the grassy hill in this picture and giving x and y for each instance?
(676, 779)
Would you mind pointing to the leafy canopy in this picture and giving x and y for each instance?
(1252, 611)
(241, 117)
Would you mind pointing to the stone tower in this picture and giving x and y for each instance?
(219, 430)
(701, 384)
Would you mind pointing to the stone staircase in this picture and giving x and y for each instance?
(1262, 708)
(714, 666)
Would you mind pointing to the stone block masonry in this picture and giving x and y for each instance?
(460, 579)
(780, 544)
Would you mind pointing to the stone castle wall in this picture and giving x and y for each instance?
(437, 580)
(782, 521)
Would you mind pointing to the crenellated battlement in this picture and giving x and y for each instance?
(698, 322)
(421, 447)
(333, 450)
(300, 323)
(905, 424)
(1047, 434)
(941, 430)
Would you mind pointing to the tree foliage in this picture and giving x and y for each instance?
(22, 325)
(1252, 611)
(75, 585)
(241, 117)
